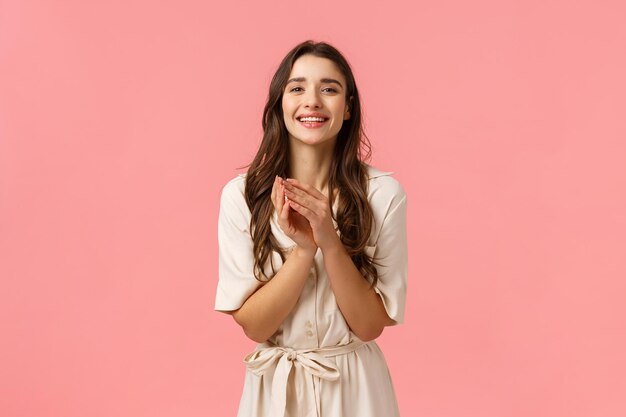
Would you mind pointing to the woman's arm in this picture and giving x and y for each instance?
(265, 310)
(361, 306)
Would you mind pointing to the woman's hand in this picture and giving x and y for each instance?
(292, 223)
(313, 206)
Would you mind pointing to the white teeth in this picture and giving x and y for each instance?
(311, 119)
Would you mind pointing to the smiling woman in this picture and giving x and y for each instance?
(313, 250)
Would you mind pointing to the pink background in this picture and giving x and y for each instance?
(121, 121)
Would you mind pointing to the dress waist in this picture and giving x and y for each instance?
(309, 365)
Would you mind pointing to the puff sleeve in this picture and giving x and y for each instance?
(236, 280)
(391, 252)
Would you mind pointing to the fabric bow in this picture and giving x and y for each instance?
(313, 362)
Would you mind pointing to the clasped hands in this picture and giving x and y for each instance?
(304, 214)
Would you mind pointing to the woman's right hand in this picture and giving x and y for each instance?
(292, 223)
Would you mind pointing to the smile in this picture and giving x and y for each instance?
(312, 122)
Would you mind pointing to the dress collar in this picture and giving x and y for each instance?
(373, 172)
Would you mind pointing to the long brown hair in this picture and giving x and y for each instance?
(348, 173)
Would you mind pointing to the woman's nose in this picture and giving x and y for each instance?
(312, 99)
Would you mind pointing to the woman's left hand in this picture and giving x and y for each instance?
(313, 205)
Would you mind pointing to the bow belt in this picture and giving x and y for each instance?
(314, 361)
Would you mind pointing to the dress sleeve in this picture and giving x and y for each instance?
(392, 253)
(236, 264)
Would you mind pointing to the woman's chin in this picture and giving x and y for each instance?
(315, 141)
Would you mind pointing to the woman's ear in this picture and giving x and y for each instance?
(346, 114)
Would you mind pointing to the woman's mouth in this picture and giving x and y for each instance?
(312, 122)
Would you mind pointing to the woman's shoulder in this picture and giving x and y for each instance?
(235, 185)
(233, 191)
(383, 185)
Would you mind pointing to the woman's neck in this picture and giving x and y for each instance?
(311, 165)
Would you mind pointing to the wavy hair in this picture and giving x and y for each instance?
(348, 172)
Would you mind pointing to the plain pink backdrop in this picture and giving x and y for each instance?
(120, 121)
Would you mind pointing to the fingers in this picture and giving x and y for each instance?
(304, 200)
(308, 214)
(293, 192)
(280, 197)
(274, 190)
(282, 207)
(276, 198)
(306, 187)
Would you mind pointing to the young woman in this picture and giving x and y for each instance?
(313, 250)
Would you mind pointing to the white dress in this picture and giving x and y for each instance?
(314, 366)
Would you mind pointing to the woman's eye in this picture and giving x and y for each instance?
(325, 89)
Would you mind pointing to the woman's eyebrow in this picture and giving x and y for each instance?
(323, 80)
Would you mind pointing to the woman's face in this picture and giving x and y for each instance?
(316, 87)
